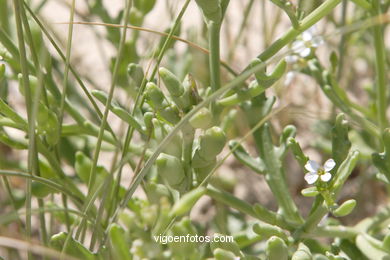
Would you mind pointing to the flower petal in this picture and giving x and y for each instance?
(326, 176)
(307, 36)
(317, 41)
(311, 177)
(329, 165)
(298, 46)
(305, 52)
(312, 166)
(290, 59)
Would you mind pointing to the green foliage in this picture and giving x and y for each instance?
(121, 174)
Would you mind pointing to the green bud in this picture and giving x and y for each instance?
(345, 208)
(189, 85)
(334, 61)
(73, 248)
(231, 246)
(148, 117)
(303, 253)
(100, 95)
(144, 5)
(183, 228)
(202, 119)
(222, 254)
(310, 192)
(172, 83)
(266, 230)
(276, 249)
(170, 168)
(187, 202)
(155, 95)
(136, 73)
(212, 142)
(211, 9)
(170, 114)
(200, 162)
(128, 118)
(334, 257)
(136, 17)
(203, 171)
(118, 242)
(340, 141)
(40, 190)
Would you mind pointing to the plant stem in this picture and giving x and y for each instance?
(275, 176)
(380, 65)
(324, 9)
(67, 66)
(26, 87)
(214, 57)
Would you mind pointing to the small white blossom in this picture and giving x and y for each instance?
(309, 40)
(301, 49)
(316, 171)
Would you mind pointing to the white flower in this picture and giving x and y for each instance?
(309, 40)
(316, 171)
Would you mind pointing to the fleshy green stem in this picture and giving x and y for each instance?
(275, 176)
(305, 24)
(380, 65)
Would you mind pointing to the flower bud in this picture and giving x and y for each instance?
(303, 253)
(187, 202)
(171, 114)
(266, 230)
(183, 228)
(155, 191)
(211, 9)
(148, 117)
(136, 73)
(310, 192)
(145, 6)
(136, 17)
(172, 83)
(202, 119)
(200, 162)
(231, 246)
(155, 96)
(276, 249)
(222, 254)
(212, 142)
(345, 208)
(170, 168)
